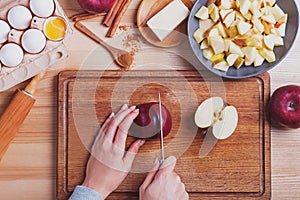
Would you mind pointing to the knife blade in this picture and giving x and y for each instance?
(161, 130)
(208, 143)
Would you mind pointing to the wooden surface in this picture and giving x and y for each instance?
(28, 169)
(236, 167)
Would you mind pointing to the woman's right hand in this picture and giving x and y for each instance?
(163, 183)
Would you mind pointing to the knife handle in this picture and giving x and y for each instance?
(12, 118)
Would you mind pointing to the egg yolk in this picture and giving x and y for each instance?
(55, 29)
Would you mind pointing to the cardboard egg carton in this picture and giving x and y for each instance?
(32, 64)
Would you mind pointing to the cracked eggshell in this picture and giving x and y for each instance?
(33, 41)
(42, 8)
(19, 17)
(11, 55)
(4, 30)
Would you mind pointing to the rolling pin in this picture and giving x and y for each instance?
(16, 112)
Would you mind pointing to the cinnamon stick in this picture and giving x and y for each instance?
(113, 28)
(113, 12)
(85, 16)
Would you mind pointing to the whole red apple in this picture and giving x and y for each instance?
(146, 124)
(284, 106)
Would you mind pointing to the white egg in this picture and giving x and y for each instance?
(4, 30)
(33, 41)
(19, 17)
(42, 8)
(11, 55)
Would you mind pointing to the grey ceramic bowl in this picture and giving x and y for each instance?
(288, 6)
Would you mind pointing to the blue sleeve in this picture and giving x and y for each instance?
(85, 193)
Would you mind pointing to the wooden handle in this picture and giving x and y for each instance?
(31, 87)
(88, 32)
(12, 119)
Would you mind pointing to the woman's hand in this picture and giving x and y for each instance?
(163, 183)
(109, 164)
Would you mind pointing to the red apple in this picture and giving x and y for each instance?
(146, 124)
(284, 106)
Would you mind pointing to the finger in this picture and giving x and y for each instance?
(117, 120)
(151, 175)
(121, 135)
(167, 166)
(106, 123)
(132, 151)
(104, 127)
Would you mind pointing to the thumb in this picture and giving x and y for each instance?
(167, 166)
(150, 176)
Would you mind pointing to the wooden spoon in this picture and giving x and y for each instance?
(123, 58)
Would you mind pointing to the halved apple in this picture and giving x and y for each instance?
(213, 112)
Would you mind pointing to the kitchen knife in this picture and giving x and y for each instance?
(208, 143)
(16, 112)
(161, 130)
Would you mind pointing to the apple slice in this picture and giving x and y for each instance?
(257, 24)
(269, 41)
(229, 19)
(268, 55)
(277, 12)
(221, 29)
(222, 66)
(239, 62)
(204, 44)
(235, 49)
(258, 60)
(202, 13)
(281, 30)
(244, 6)
(231, 58)
(226, 124)
(206, 24)
(198, 35)
(243, 27)
(214, 113)
(250, 54)
(224, 13)
(211, 7)
(226, 4)
(214, 15)
(217, 44)
(208, 53)
(269, 18)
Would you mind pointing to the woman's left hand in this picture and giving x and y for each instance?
(109, 163)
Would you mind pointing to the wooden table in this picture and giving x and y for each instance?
(28, 170)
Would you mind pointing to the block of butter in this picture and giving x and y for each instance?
(166, 20)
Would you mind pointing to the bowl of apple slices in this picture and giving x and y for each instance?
(242, 38)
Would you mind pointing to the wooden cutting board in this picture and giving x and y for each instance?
(236, 168)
